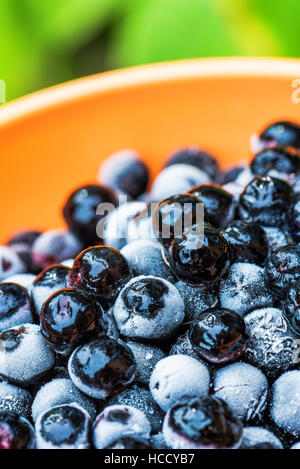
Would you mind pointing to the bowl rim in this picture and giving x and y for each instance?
(141, 75)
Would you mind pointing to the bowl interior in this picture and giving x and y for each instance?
(55, 140)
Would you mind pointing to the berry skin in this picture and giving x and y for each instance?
(101, 272)
(49, 281)
(15, 432)
(247, 242)
(69, 318)
(15, 306)
(129, 442)
(281, 133)
(195, 157)
(282, 269)
(202, 423)
(10, 263)
(172, 215)
(102, 368)
(218, 335)
(80, 209)
(291, 306)
(265, 201)
(199, 261)
(125, 172)
(24, 237)
(276, 161)
(293, 219)
(219, 207)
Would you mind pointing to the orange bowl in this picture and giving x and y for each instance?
(55, 139)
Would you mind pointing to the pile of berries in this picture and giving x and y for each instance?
(161, 318)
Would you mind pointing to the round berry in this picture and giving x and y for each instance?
(171, 216)
(282, 269)
(281, 133)
(291, 305)
(247, 242)
(259, 438)
(196, 299)
(63, 427)
(197, 259)
(80, 211)
(285, 403)
(125, 172)
(219, 206)
(69, 318)
(15, 432)
(15, 306)
(15, 399)
(202, 423)
(276, 162)
(10, 263)
(24, 237)
(218, 335)
(148, 308)
(49, 281)
(101, 272)
(146, 357)
(196, 157)
(129, 442)
(102, 368)
(265, 200)
(293, 219)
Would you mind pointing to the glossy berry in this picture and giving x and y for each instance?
(218, 335)
(125, 172)
(80, 211)
(291, 304)
(265, 200)
(196, 157)
(100, 271)
(16, 432)
(171, 216)
(102, 368)
(282, 269)
(219, 207)
(276, 161)
(63, 427)
(129, 442)
(202, 423)
(293, 219)
(247, 242)
(281, 133)
(69, 318)
(199, 260)
(15, 306)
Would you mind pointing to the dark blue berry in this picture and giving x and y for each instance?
(282, 133)
(291, 306)
(195, 157)
(15, 306)
(275, 159)
(15, 432)
(282, 269)
(293, 219)
(129, 442)
(265, 200)
(219, 207)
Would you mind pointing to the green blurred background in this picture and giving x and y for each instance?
(44, 42)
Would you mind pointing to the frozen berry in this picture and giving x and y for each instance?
(265, 200)
(49, 281)
(54, 246)
(24, 354)
(146, 357)
(285, 403)
(117, 421)
(291, 304)
(196, 299)
(148, 308)
(177, 179)
(102, 368)
(69, 318)
(176, 376)
(15, 399)
(293, 219)
(260, 438)
(16, 432)
(282, 269)
(171, 216)
(196, 157)
(199, 259)
(244, 289)
(283, 133)
(10, 263)
(140, 226)
(218, 335)
(276, 162)
(60, 391)
(24, 280)
(15, 306)
(125, 172)
(202, 423)
(24, 237)
(129, 442)
(63, 427)
(24, 252)
(80, 211)
(244, 388)
(101, 272)
(219, 205)
(247, 242)
(277, 237)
